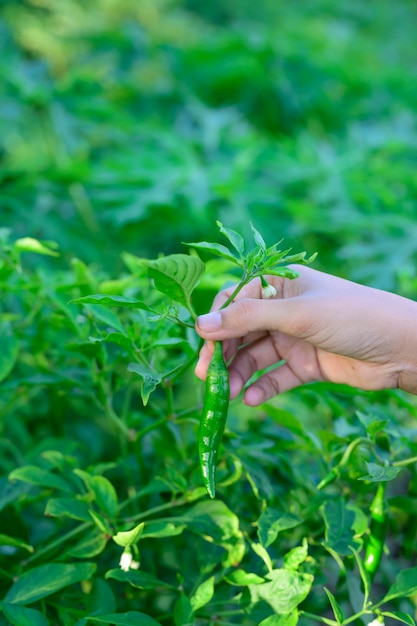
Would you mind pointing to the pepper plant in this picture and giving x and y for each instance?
(104, 518)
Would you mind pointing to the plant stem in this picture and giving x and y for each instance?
(324, 620)
(403, 462)
(62, 539)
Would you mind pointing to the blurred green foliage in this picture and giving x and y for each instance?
(129, 125)
(126, 128)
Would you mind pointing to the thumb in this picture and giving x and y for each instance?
(248, 315)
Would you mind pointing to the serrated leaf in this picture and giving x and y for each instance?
(338, 613)
(176, 275)
(129, 537)
(112, 300)
(44, 580)
(380, 473)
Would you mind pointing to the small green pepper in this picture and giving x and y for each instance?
(213, 418)
(378, 528)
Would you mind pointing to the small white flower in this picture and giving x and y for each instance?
(126, 561)
(268, 291)
(376, 622)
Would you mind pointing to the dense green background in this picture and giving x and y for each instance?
(131, 126)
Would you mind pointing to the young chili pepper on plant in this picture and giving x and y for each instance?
(216, 404)
(213, 418)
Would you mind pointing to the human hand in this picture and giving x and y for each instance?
(322, 326)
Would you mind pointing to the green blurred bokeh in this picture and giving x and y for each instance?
(136, 124)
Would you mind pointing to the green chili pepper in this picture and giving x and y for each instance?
(213, 418)
(329, 478)
(378, 528)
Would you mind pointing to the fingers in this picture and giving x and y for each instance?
(246, 316)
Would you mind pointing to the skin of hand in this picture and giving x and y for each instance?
(325, 328)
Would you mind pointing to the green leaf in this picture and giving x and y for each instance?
(104, 493)
(240, 578)
(214, 519)
(272, 522)
(138, 579)
(339, 520)
(183, 612)
(23, 616)
(131, 618)
(92, 544)
(37, 476)
(379, 473)
(109, 318)
(176, 276)
(203, 594)
(215, 248)
(44, 580)
(285, 590)
(296, 556)
(281, 620)
(5, 540)
(338, 613)
(259, 240)
(405, 585)
(150, 380)
(100, 598)
(234, 237)
(284, 272)
(129, 537)
(400, 617)
(29, 244)
(9, 350)
(162, 529)
(68, 507)
(109, 300)
(263, 554)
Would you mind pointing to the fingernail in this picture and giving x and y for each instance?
(210, 321)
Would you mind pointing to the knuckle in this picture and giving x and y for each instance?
(243, 312)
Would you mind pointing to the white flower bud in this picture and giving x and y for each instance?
(269, 291)
(126, 561)
(376, 622)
